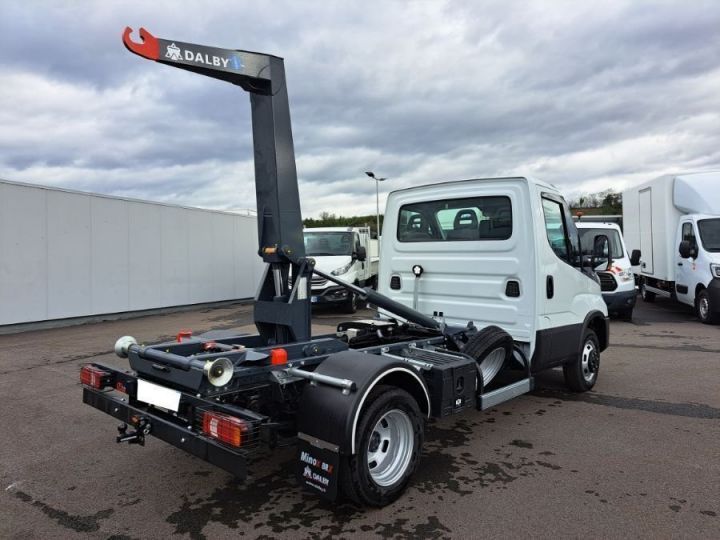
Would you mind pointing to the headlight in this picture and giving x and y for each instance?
(715, 270)
(622, 275)
(342, 270)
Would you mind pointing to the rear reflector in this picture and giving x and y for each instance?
(94, 376)
(224, 428)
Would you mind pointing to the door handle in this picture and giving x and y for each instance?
(679, 264)
(550, 287)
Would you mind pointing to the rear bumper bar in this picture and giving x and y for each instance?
(186, 439)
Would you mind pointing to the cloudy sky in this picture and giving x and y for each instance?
(587, 95)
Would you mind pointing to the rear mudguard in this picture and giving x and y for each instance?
(328, 415)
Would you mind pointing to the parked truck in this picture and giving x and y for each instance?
(346, 252)
(486, 286)
(674, 223)
(617, 281)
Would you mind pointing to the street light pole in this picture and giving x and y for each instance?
(377, 200)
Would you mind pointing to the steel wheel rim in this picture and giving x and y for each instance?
(704, 308)
(589, 361)
(491, 364)
(390, 447)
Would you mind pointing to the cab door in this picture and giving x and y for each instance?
(566, 293)
(685, 271)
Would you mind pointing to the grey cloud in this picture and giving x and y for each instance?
(582, 94)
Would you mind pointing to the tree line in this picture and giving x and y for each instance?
(328, 219)
(608, 202)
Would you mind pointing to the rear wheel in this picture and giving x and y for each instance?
(581, 374)
(646, 295)
(389, 442)
(704, 309)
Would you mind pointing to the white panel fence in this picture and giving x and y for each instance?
(70, 254)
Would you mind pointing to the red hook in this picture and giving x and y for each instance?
(149, 48)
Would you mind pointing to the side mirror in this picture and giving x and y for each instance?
(601, 251)
(687, 249)
(635, 257)
(361, 254)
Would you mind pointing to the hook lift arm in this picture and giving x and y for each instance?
(281, 317)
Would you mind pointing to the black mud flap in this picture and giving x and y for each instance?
(318, 468)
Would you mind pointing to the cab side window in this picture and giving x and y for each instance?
(688, 234)
(555, 229)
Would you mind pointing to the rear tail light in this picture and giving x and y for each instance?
(94, 376)
(225, 428)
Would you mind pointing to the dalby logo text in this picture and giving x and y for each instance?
(173, 52)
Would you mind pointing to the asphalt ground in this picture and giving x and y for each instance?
(639, 456)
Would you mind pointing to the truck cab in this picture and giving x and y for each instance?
(697, 275)
(617, 281)
(502, 252)
(346, 252)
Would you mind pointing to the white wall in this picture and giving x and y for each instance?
(69, 254)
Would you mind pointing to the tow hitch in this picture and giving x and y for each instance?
(134, 437)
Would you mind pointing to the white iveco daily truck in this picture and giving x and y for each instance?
(498, 262)
(499, 252)
(346, 252)
(674, 221)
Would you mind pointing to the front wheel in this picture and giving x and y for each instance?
(581, 374)
(390, 438)
(705, 309)
(351, 304)
(646, 295)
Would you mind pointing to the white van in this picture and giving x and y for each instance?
(617, 282)
(674, 221)
(346, 252)
(499, 252)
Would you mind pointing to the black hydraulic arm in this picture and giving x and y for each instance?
(280, 317)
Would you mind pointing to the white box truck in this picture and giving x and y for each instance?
(346, 252)
(674, 221)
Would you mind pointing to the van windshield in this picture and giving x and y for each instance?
(587, 240)
(319, 244)
(710, 234)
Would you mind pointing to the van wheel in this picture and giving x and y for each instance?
(490, 348)
(705, 310)
(646, 295)
(351, 304)
(581, 374)
(389, 443)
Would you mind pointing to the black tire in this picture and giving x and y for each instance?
(356, 479)
(582, 373)
(704, 309)
(485, 342)
(646, 295)
(351, 304)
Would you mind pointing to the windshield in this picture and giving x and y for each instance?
(587, 240)
(320, 244)
(710, 234)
